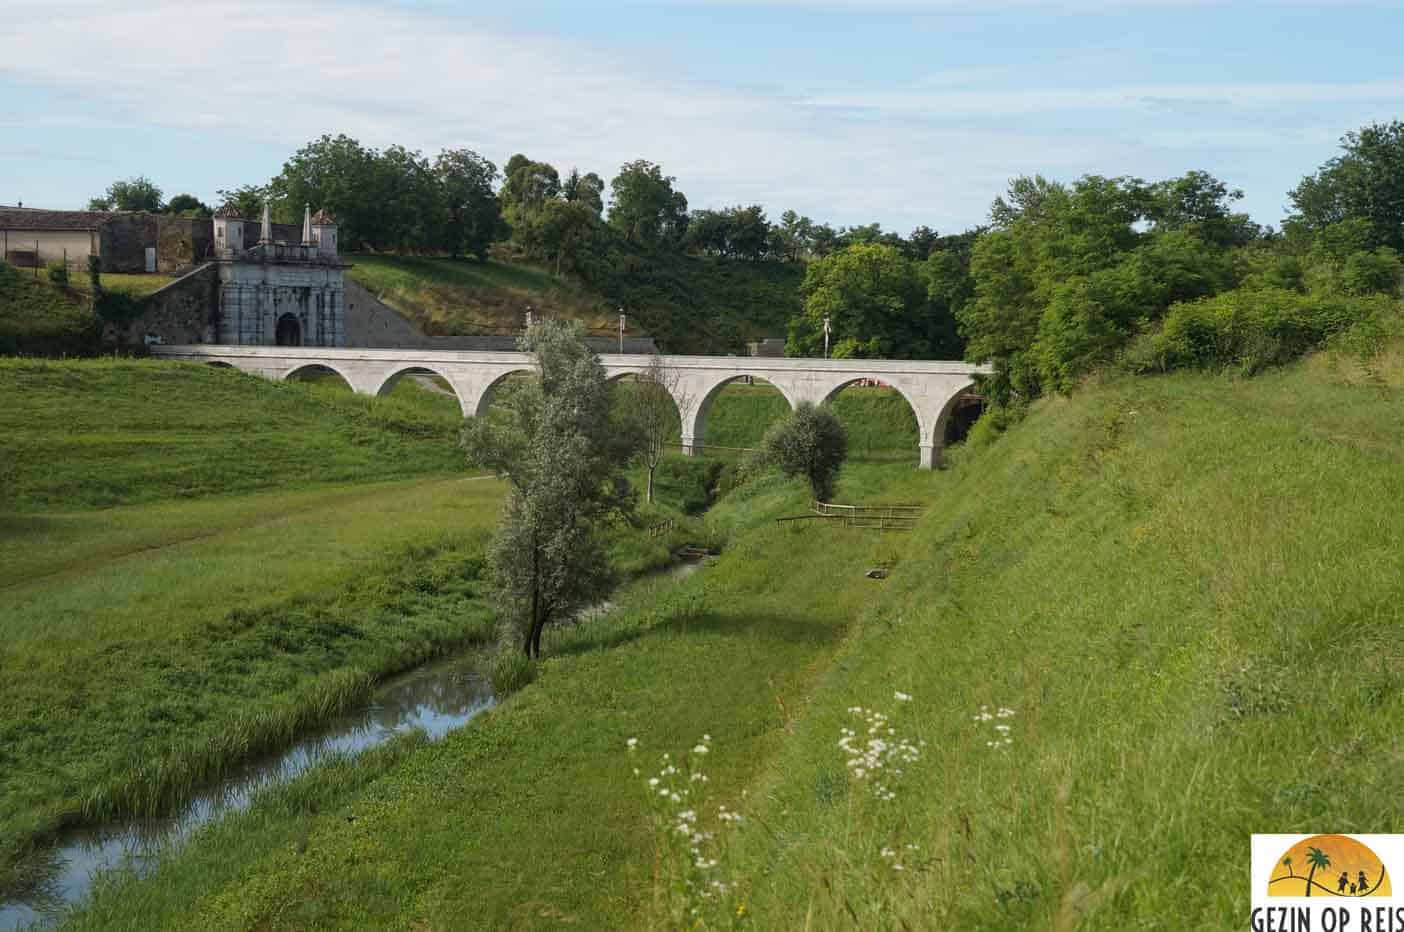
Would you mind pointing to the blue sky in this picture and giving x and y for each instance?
(898, 111)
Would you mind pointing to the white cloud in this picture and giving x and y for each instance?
(286, 72)
(1008, 102)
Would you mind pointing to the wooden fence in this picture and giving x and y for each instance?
(876, 517)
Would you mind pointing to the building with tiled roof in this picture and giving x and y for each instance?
(31, 237)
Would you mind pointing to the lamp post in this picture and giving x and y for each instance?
(826, 336)
(621, 331)
(528, 317)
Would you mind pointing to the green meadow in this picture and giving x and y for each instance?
(195, 564)
(1141, 625)
(1144, 623)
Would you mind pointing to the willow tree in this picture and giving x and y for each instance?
(552, 437)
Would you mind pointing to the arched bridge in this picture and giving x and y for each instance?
(931, 388)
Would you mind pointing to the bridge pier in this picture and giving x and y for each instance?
(930, 456)
(691, 446)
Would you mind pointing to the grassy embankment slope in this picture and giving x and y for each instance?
(38, 318)
(1186, 589)
(155, 624)
(194, 563)
(688, 304)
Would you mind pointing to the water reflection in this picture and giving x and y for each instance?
(436, 698)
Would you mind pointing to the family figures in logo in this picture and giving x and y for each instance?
(1359, 888)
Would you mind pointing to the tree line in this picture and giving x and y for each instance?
(1065, 277)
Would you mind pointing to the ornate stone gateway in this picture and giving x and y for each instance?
(931, 388)
(279, 294)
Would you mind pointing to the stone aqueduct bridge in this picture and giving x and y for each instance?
(931, 388)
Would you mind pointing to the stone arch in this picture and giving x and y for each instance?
(695, 422)
(635, 373)
(312, 368)
(904, 392)
(934, 442)
(388, 384)
(484, 400)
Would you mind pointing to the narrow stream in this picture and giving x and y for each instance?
(438, 697)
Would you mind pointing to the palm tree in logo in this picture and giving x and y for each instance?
(1287, 863)
(1317, 859)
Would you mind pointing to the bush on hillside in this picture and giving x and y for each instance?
(1249, 329)
(811, 443)
(687, 482)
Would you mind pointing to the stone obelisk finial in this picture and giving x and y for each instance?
(265, 235)
(307, 224)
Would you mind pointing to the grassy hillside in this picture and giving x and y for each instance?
(99, 433)
(688, 304)
(1186, 596)
(237, 589)
(1145, 623)
(38, 319)
(462, 297)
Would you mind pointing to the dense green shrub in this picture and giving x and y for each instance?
(688, 482)
(58, 272)
(995, 420)
(1250, 329)
(811, 443)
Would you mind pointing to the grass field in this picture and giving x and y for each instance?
(100, 433)
(532, 817)
(238, 588)
(146, 647)
(136, 285)
(1184, 591)
(148, 644)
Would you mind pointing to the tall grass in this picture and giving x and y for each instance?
(167, 664)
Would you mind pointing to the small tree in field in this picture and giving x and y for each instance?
(551, 436)
(651, 405)
(812, 443)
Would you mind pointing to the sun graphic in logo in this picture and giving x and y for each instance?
(1329, 865)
